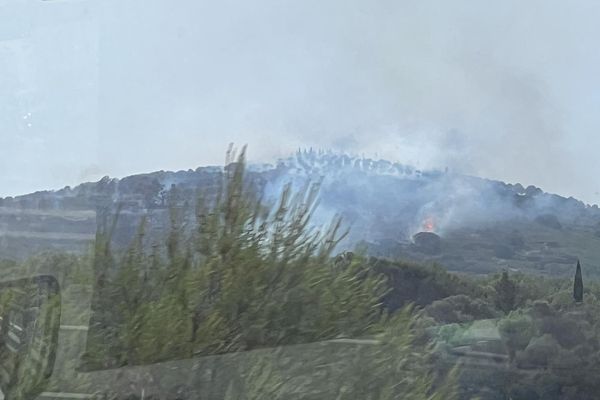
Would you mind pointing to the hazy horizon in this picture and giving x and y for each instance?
(94, 88)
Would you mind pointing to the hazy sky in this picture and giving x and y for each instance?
(507, 90)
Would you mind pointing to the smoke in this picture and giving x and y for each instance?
(378, 199)
(502, 91)
(381, 201)
(472, 87)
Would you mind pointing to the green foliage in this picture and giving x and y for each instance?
(506, 293)
(559, 344)
(256, 284)
(246, 277)
(516, 330)
(388, 366)
(236, 274)
(460, 309)
(411, 283)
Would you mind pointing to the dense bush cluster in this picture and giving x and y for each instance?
(258, 286)
(242, 275)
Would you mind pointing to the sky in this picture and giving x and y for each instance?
(505, 90)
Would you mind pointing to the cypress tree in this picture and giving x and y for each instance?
(578, 285)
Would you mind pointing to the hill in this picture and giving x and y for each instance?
(472, 224)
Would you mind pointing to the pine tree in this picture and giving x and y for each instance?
(248, 275)
(578, 285)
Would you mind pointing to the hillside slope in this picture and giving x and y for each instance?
(473, 224)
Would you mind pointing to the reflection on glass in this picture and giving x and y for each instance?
(29, 320)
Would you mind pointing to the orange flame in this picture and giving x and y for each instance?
(428, 225)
